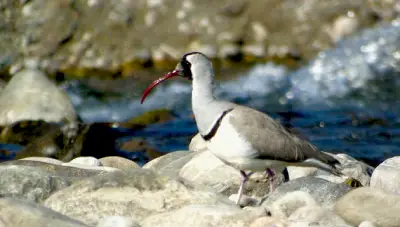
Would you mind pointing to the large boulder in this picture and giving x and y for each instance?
(324, 192)
(135, 193)
(369, 204)
(29, 95)
(387, 175)
(30, 183)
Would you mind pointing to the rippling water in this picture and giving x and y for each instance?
(346, 100)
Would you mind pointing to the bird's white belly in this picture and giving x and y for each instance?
(234, 150)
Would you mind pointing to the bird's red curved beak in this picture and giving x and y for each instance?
(157, 82)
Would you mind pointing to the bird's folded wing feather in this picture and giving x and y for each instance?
(270, 139)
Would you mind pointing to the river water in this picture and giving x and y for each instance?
(345, 100)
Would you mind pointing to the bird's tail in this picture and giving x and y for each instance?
(329, 164)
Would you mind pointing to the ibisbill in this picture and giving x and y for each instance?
(242, 137)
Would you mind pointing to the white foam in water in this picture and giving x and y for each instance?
(351, 65)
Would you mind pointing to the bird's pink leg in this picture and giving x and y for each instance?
(245, 177)
(271, 176)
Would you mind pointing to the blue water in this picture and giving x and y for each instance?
(345, 100)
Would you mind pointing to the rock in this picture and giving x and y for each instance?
(372, 204)
(171, 163)
(117, 221)
(298, 172)
(135, 193)
(71, 173)
(324, 192)
(268, 221)
(2, 85)
(343, 26)
(366, 224)
(355, 169)
(197, 143)
(29, 95)
(30, 183)
(88, 167)
(387, 175)
(223, 178)
(118, 162)
(44, 159)
(61, 142)
(316, 216)
(202, 215)
(18, 213)
(289, 203)
(89, 161)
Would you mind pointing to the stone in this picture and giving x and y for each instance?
(44, 159)
(89, 161)
(117, 221)
(387, 175)
(315, 215)
(324, 192)
(355, 169)
(343, 26)
(71, 173)
(99, 168)
(29, 95)
(118, 162)
(19, 213)
(135, 193)
(375, 205)
(197, 143)
(223, 178)
(268, 221)
(171, 163)
(298, 172)
(367, 224)
(202, 215)
(30, 183)
(289, 203)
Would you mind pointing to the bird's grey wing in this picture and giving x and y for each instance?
(270, 139)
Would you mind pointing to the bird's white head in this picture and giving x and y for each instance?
(194, 66)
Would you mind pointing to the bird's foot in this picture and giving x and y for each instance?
(271, 176)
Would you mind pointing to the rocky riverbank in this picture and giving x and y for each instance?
(80, 37)
(192, 188)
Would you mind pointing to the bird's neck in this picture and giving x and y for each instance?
(202, 92)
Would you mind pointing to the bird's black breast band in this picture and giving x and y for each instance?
(215, 127)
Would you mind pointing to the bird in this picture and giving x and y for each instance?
(244, 138)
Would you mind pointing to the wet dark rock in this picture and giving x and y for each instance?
(63, 143)
(150, 117)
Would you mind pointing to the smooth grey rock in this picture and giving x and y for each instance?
(316, 216)
(206, 169)
(286, 205)
(44, 159)
(202, 215)
(353, 168)
(171, 163)
(118, 162)
(89, 161)
(268, 221)
(31, 183)
(29, 95)
(387, 175)
(369, 204)
(117, 221)
(135, 193)
(19, 213)
(324, 192)
(70, 173)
